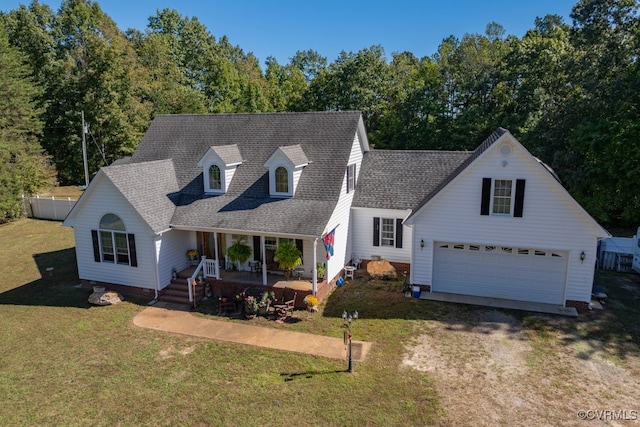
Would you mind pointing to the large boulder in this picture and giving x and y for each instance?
(105, 298)
(381, 269)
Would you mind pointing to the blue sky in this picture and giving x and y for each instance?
(281, 28)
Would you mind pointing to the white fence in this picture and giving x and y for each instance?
(47, 208)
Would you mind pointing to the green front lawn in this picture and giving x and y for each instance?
(64, 362)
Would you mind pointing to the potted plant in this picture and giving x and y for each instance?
(321, 269)
(289, 257)
(192, 254)
(239, 252)
(312, 302)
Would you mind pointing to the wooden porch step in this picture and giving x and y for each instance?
(178, 292)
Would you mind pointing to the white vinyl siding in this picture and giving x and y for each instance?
(106, 199)
(340, 219)
(361, 230)
(551, 221)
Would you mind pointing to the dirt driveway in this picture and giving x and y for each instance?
(493, 367)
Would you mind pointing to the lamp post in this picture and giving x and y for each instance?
(348, 318)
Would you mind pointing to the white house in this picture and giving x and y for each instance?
(493, 222)
(502, 226)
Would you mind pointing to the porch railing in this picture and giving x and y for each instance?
(209, 268)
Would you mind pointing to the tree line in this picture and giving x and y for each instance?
(568, 91)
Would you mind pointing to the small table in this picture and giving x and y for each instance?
(348, 271)
(298, 272)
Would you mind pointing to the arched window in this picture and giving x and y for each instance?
(282, 180)
(215, 179)
(115, 245)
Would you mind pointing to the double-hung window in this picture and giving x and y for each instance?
(502, 197)
(112, 244)
(387, 232)
(502, 191)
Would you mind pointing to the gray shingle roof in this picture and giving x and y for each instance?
(295, 153)
(146, 187)
(401, 179)
(455, 172)
(229, 154)
(325, 138)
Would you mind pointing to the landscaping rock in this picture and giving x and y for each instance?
(105, 298)
(381, 269)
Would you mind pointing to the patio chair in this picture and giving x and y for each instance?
(356, 261)
(227, 306)
(285, 310)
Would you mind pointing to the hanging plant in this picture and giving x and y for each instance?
(239, 252)
(289, 257)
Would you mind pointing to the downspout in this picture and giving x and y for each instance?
(155, 270)
(314, 279)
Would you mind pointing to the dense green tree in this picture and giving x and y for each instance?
(603, 162)
(355, 81)
(24, 168)
(286, 85)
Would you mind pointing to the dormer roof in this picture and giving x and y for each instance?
(228, 155)
(294, 153)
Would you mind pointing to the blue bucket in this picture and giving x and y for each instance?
(416, 292)
(340, 281)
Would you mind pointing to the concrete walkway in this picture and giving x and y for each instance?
(172, 318)
(537, 307)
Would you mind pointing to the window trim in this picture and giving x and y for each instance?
(111, 242)
(279, 173)
(498, 201)
(207, 178)
(351, 177)
(397, 232)
(488, 197)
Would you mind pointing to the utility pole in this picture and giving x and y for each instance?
(84, 151)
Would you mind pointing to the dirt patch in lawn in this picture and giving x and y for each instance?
(492, 368)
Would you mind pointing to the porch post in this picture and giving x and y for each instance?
(314, 275)
(264, 261)
(216, 255)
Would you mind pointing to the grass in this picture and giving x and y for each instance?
(64, 362)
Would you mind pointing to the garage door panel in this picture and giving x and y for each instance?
(509, 273)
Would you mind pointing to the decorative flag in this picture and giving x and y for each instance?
(328, 240)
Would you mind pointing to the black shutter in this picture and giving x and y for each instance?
(96, 245)
(519, 202)
(133, 258)
(376, 231)
(398, 233)
(256, 248)
(299, 246)
(486, 196)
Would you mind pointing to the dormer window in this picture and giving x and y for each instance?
(285, 168)
(215, 178)
(219, 165)
(282, 180)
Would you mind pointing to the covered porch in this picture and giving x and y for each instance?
(233, 282)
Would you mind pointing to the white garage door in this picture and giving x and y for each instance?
(500, 272)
